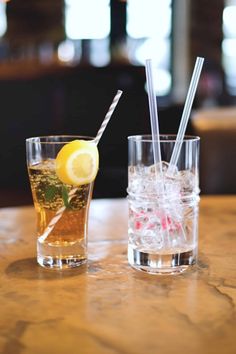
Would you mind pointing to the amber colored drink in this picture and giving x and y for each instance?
(49, 195)
(65, 246)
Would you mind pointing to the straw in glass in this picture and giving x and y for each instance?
(153, 116)
(185, 116)
(103, 126)
(155, 134)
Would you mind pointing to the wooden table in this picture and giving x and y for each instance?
(109, 308)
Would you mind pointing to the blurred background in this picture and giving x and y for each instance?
(62, 61)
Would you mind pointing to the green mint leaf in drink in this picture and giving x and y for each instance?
(50, 193)
(65, 196)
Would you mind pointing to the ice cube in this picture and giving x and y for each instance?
(187, 180)
(151, 238)
(161, 166)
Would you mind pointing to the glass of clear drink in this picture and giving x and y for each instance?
(163, 207)
(61, 208)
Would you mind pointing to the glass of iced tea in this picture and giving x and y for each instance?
(61, 172)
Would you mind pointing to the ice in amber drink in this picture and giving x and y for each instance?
(61, 172)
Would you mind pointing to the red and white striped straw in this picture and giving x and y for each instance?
(60, 211)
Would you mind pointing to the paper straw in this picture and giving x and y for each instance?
(56, 218)
(108, 116)
(186, 114)
(60, 211)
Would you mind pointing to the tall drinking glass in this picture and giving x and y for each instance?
(61, 209)
(163, 209)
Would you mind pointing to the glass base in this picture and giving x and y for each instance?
(60, 263)
(161, 263)
(59, 256)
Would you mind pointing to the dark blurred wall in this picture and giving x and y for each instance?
(32, 22)
(206, 36)
(206, 33)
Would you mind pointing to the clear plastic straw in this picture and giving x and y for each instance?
(186, 114)
(60, 212)
(156, 138)
(153, 115)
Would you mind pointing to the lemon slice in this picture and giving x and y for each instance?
(77, 162)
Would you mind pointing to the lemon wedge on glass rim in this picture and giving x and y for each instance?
(77, 162)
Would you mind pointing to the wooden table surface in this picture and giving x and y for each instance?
(109, 308)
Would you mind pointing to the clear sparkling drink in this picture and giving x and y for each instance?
(163, 217)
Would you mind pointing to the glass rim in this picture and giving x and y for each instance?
(163, 138)
(51, 139)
